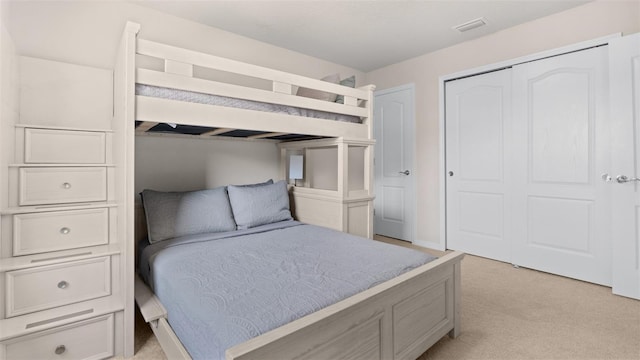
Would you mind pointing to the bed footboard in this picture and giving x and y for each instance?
(399, 319)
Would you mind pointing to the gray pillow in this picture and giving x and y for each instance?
(173, 214)
(254, 206)
(268, 182)
(350, 82)
(320, 95)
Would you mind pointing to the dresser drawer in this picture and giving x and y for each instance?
(44, 287)
(59, 230)
(62, 146)
(89, 339)
(51, 185)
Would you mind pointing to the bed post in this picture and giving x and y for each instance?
(456, 300)
(369, 159)
(123, 126)
(369, 121)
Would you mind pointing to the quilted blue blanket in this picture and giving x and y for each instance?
(222, 289)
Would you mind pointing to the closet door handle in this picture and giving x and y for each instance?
(621, 179)
(406, 172)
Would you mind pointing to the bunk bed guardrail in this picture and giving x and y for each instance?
(179, 65)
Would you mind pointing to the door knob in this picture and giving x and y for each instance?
(406, 172)
(450, 173)
(606, 177)
(621, 179)
(60, 349)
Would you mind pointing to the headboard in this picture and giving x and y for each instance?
(140, 223)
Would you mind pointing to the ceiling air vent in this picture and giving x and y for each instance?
(469, 25)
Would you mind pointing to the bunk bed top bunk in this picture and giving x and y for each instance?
(229, 98)
(399, 318)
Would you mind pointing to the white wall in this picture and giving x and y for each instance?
(87, 33)
(586, 22)
(189, 164)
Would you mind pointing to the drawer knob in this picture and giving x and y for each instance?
(60, 349)
(65, 231)
(63, 284)
(66, 185)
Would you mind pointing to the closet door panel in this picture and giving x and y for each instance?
(546, 230)
(561, 143)
(559, 137)
(480, 142)
(478, 110)
(625, 117)
(472, 204)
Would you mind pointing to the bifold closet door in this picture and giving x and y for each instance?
(478, 176)
(561, 206)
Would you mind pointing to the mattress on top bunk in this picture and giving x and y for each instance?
(222, 289)
(201, 98)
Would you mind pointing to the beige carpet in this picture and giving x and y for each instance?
(510, 313)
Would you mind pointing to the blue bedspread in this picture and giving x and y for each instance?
(225, 288)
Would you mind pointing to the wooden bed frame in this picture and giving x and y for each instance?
(398, 319)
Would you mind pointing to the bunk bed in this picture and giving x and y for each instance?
(399, 318)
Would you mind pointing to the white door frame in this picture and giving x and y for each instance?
(412, 181)
(479, 70)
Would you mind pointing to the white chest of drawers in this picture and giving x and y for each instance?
(63, 256)
(60, 230)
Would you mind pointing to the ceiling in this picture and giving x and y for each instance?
(364, 35)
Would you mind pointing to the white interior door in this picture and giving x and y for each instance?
(561, 209)
(394, 131)
(624, 65)
(477, 127)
